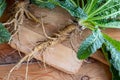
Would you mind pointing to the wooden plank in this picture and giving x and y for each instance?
(30, 33)
(88, 71)
(58, 56)
(8, 55)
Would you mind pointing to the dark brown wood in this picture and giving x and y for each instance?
(7, 13)
(8, 55)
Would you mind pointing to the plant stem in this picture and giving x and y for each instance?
(86, 23)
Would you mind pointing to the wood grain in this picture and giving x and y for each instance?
(58, 56)
(31, 34)
(88, 71)
(8, 55)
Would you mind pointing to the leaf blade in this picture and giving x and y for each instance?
(115, 73)
(75, 11)
(90, 45)
(111, 24)
(4, 34)
(43, 4)
(113, 49)
(2, 7)
(69, 5)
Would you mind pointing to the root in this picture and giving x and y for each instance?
(17, 19)
(78, 31)
(43, 57)
(30, 16)
(72, 44)
(63, 35)
(26, 72)
(44, 31)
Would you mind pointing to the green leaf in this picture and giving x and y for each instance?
(70, 5)
(115, 43)
(115, 73)
(73, 9)
(103, 13)
(113, 49)
(4, 34)
(114, 24)
(2, 6)
(110, 24)
(96, 7)
(44, 3)
(111, 10)
(90, 45)
(92, 5)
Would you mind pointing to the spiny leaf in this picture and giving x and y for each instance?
(115, 43)
(90, 45)
(114, 71)
(69, 5)
(4, 34)
(96, 7)
(92, 5)
(103, 13)
(113, 47)
(2, 6)
(112, 10)
(110, 24)
(73, 9)
(43, 3)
